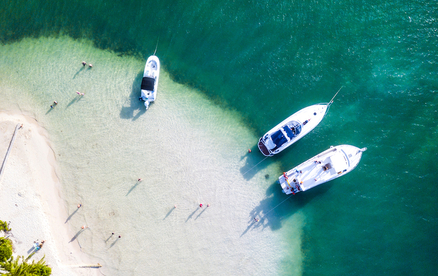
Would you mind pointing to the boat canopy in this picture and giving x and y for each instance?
(148, 84)
(285, 134)
(278, 138)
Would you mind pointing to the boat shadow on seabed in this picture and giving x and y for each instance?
(254, 161)
(127, 112)
(277, 207)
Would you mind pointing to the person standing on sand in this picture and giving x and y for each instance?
(41, 244)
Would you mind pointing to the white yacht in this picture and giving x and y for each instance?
(328, 165)
(293, 128)
(149, 83)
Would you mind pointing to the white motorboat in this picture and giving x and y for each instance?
(293, 128)
(149, 83)
(328, 165)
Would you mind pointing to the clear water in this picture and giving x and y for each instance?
(235, 70)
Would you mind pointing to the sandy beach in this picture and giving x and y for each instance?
(30, 199)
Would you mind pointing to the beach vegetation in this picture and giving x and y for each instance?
(4, 226)
(17, 267)
(5, 249)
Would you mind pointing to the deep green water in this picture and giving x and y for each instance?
(268, 59)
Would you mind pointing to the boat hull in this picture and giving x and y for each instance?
(326, 166)
(308, 118)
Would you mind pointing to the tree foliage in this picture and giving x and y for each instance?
(4, 226)
(17, 268)
(5, 249)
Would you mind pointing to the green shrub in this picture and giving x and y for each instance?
(5, 249)
(40, 269)
(14, 267)
(4, 226)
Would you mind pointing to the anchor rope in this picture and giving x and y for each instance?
(331, 101)
(277, 206)
(255, 166)
(156, 47)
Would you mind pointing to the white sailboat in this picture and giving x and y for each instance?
(326, 166)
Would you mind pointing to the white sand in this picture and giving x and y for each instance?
(30, 198)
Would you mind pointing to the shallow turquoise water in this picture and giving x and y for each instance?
(187, 151)
(266, 60)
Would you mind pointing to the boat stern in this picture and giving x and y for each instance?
(263, 149)
(286, 187)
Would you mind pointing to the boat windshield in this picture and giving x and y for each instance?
(292, 129)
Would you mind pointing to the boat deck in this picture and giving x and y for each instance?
(308, 175)
(314, 174)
